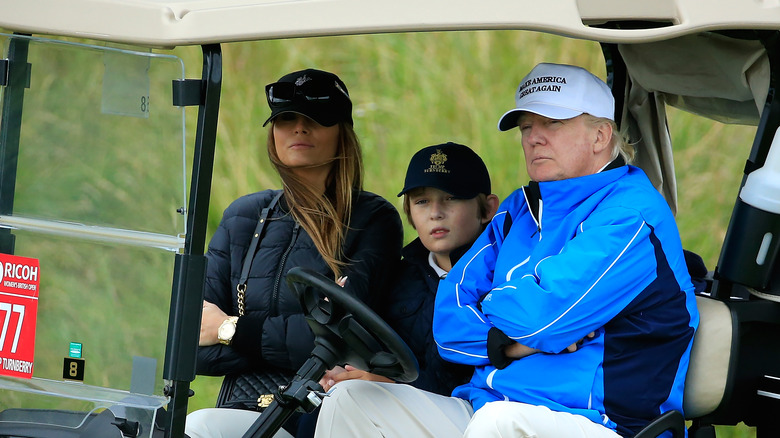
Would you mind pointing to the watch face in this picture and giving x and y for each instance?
(227, 330)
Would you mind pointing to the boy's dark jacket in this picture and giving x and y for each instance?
(408, 309)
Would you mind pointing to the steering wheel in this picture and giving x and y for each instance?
(349, 330)
(346, 331)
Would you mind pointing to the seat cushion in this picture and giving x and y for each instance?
(709, 367)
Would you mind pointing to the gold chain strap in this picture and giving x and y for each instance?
(250, 254)
(241, 288)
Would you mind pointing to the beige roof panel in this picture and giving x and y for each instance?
(169, 23)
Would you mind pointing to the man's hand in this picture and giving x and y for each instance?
(339, 374)
(519, 351)
(210, 321)
(575, 346)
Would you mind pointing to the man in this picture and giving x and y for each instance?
(575, 305)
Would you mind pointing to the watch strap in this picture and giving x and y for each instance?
(230, 320)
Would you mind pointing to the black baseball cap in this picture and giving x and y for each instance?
(317, 94)
(450, 167)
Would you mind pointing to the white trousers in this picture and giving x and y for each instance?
(358, 408)
(223, 423)
(519, 420)
(364, 409)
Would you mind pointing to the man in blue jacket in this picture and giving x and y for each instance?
(575, 305)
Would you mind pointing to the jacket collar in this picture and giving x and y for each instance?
(416, 252)
(570, 191)
(614, 164)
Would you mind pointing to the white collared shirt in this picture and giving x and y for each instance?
(439, 271)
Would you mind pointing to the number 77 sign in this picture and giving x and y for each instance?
(18, 313)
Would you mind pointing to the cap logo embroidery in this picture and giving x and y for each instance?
(338, 87)
(532, 85)
(437, 163)
(302, 80)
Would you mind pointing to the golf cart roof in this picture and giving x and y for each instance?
(170, 23)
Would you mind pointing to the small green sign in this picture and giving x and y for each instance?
(75, 350)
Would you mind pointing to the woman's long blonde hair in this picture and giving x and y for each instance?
(325, 218)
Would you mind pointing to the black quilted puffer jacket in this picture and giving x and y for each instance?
(273, 330)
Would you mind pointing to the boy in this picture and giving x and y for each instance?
(448, 201)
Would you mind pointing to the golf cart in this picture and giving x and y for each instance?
(95, 99)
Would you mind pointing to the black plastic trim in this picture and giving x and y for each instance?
(17, 79)
(187, 92)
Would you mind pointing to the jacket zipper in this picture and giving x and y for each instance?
(278, 279)
(532, 195)
(538, 221)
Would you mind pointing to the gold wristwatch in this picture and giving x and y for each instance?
(226, 330)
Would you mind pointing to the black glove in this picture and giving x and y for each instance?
(497, 341)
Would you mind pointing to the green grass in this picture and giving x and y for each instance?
(409, 91)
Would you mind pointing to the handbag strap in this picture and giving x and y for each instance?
(250, 254)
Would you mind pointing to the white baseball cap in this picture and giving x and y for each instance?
(560, 92)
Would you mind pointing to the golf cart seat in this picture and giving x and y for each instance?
(725, 383)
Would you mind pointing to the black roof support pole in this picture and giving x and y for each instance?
(205, 141)
(16, 79)
(736, 264)
(770, 116)
(190, 268)
(617, 77)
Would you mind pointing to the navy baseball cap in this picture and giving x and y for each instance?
(450, 167)
(317, 94)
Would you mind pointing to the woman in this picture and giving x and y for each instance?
(323, 221)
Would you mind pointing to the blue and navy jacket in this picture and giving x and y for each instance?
(561, 259)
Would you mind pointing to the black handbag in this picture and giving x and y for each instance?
(252, 390)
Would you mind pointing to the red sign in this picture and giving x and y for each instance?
(19, 280)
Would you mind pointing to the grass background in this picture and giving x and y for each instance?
(409, 91)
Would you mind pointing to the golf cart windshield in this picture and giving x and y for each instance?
(71, 198)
